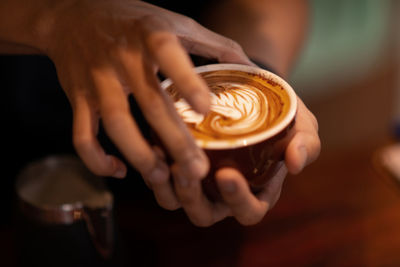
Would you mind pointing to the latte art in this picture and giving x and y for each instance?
(236, 109)
(252, 115)
(242, 105)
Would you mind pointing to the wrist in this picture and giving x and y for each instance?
(25, 25)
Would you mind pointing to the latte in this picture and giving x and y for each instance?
(243, 105)
(248, 126)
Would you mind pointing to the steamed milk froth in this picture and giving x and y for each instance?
(236, 109)
(242, 105)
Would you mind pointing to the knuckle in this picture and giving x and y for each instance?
(152, 22)
(145, 164)
(183, 152)
(159, 39)
(231, 50)
(190, 23)
(82, 141)
(113, 116)
(155, 183)
(233, 45)
(108, 106)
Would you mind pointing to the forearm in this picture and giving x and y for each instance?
(271, 32)
(23, 24)
(17, 49)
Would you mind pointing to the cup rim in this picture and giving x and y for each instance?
(257, 137)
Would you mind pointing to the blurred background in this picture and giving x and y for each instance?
(351, 43)
(343, 210)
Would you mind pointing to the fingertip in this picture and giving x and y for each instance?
(201, 102)
(119, 168)
(230, 181)
(170, 205)
(196, 92)
(228, 173)
(243, 204)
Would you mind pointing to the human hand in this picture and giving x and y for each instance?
(238, 201)
(105, 50)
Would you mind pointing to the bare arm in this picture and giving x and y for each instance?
(20, 26)
(269, 31)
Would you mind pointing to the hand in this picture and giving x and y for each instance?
(239, 202)
(105, 50)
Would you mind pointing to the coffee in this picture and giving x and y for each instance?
(248, 126)
(243, 105)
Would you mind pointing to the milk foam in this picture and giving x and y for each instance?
(236, 109)
(249, 105)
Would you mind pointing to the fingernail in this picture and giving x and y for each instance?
(120, 169)
(229, 186)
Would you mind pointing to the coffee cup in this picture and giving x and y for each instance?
(248, 126)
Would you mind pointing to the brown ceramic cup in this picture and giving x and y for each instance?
(249, 125)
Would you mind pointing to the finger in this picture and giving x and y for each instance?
(273, 188)
(198, 208)
(163, 190)
(85, 125)
(308, 121)
(201, 41)
(160, 112)
(303, 149)
(244, 205)
(305, 146)
(175, 63)
(165, 195)
(122, 129)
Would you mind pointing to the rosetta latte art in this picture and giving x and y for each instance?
(242, 105)
(236, 109)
